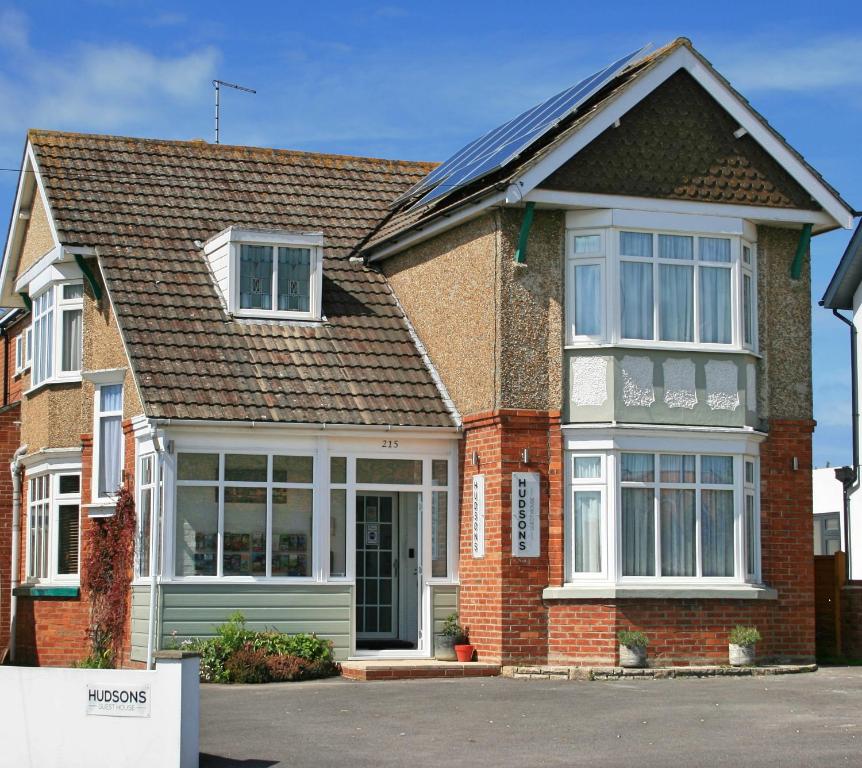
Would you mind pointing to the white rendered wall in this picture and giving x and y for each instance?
(46, 722)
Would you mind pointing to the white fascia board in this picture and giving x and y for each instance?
(717, 212)
(333, 430)
(439, 225)
(619, 104)
(579, 437)
(52, 459)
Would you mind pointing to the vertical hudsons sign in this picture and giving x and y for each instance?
(478, 538)
(525, 514)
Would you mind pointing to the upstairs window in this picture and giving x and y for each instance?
(23, 349)
(108, 443)
(268, 274)
(56, 341)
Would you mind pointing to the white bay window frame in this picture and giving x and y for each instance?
(45, 497)
(46, 343)
(611, 260)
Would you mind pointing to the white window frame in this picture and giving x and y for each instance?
(575, 485)
(98, 414)
(143, 558)
(748, 270)
(611, 261)
(22, 351)
(574, 260)
(612, 514)
(50, 528)
(315, 278)
(51, 313)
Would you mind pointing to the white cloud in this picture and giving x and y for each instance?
(109, 87)
(776, 65)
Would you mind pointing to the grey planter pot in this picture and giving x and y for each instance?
(634, 657)
(741, 655)
(444, 648)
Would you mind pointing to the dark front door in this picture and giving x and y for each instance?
(376, 566)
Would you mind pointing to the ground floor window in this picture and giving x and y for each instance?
(53, 526)
(662, 516)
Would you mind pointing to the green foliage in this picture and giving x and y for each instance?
(451, 628)
(98, 659)
(633, 638)
(238, 654)
(744, 636)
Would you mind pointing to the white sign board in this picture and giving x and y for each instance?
(525, 514)
(118, 700)
(478, 538)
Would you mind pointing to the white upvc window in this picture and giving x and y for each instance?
(662, 517)
(108, 449)
(56, 342)
(23, 348)
(53, 527)
(147, 490)
(671, 289)
(585, 281)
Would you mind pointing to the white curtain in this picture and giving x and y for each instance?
(638, 517)
(715, 249)
(587, 524)
(747, 325)
(676, 306)
(678, 531)
(636, 244)
(294, 279)
(638, 468)
(715, 305)
(255, 277)
(636, 294)
(716, 470)
(587, 467)
(676, 468)
(588, 301)
(72, 340)
(716, 522)
(110, 448)
(675, 247)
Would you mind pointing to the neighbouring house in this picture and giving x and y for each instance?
(828, 506)
(561, 383)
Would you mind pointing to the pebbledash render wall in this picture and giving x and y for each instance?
(516, 404)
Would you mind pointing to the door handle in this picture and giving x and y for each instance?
(395, 566)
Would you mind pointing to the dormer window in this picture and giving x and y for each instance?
(268, 274)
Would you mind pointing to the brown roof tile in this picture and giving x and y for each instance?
(144, 203)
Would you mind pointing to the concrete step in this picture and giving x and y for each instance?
(414, 669)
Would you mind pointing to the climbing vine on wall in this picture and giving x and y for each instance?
(108, 560)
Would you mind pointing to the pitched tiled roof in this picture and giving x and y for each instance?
(144, 203)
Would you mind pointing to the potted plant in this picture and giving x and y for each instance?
(633, 648)
(742, 650)
(463, 650)
(444, 641)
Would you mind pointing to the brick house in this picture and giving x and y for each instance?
(567, 395)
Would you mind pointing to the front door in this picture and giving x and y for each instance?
(377, 566)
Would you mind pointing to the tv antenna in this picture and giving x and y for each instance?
(218, 84)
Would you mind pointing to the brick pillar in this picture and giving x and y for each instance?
(501, 595)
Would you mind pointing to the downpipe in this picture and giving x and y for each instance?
(15, 469)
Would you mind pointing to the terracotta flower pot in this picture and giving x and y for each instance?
(464, 652)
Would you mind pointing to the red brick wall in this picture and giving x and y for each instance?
(54, 631)
(500, 597)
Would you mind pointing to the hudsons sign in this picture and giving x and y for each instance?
(118, 701)
(525, 514)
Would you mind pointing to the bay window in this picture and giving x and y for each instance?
(56, 342)
(148, 488)
(664, 288)
(53, 527)
(663, 517)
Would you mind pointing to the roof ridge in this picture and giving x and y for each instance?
(35, 133)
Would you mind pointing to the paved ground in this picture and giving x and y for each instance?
(794, 720)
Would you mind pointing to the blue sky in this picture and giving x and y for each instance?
(417, 81)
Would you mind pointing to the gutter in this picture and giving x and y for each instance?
(323, 427)
(15, 469)
(849, 476)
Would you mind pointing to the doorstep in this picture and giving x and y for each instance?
(414, 669)
(657, 673)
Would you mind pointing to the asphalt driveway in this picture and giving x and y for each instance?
(793, 720)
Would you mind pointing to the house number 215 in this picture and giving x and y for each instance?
(390, 444)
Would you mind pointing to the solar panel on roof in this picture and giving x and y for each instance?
(503, 144)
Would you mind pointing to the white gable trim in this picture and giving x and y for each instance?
(30, 176)
(619, 104)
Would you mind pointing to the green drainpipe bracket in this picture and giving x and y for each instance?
(521, 253)
(26, 299)
(801, 250)
(88, 273)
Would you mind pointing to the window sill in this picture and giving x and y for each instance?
(101, 509)
(678, 592)
(37, 592)
(52, 383)
(662, 346)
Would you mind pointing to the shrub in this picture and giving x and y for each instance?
(451, 628)
(247, 665)
(744, 636)
(632, 638)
